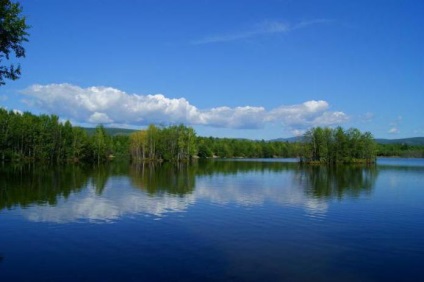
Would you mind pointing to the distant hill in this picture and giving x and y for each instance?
(290, 139)
(413, 141)
(111, 131)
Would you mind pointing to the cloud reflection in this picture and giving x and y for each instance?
(115, 203)
(112, 205)
(165, 189)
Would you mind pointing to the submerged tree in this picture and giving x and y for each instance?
(13, 33)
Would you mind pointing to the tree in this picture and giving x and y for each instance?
(100, 143)
(370, 147)
(79, 143)
(12, 34)
(153, 134)
(326, 145)
(340, 145)
(172, 143)
(138, 145)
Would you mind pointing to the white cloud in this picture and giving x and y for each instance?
(99, 118)
(264, 28)
(112, 106)
(310, 113)
(239, 117)
(393, 130)
(330, 118)
(298, 132)
(303, 24)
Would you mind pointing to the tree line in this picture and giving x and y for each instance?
(400, 150)
(180, 143)
(28, 137)
(245, 148)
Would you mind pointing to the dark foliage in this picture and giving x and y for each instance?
(13, 33)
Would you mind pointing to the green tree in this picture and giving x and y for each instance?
(13, 33)
(326, 145)
(316, 145)
(120, 146)
(138, 145)
(341, 149)
(152, 140)
(369, 146)
(204, 150)
(100, 143)
(356, 148)
(186, 142)
(4, 131)
(79, 144)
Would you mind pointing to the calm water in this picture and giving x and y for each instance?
(227, 220)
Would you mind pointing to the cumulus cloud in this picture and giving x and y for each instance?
(112, 106)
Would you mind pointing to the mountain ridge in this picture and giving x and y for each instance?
(412, 141)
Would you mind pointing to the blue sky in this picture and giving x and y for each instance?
(252, 69)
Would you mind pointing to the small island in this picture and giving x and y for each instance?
(337, 146)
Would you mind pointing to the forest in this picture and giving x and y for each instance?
(178, 142)
(45, 138)
(27, 137)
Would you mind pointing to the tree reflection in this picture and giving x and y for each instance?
(99, 178)
(23, 185)
(179, 178)
(172, 178)
(26, 185)
(233, 166)
(337, 181)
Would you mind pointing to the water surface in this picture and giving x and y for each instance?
(231, 220)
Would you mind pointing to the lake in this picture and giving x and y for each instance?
(218, 220)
